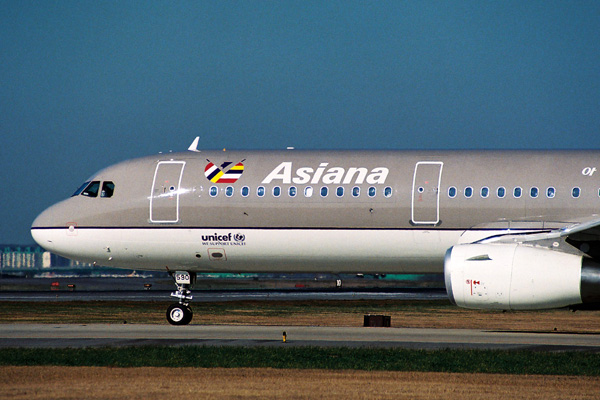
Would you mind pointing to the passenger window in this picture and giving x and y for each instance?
(324, 191)
(356, 191)
(260, 191)
(576, 192)
(245, 191)
(229, 191)
(485, 192)
(276, 191)
(213, 191)
(517, 192)
(452, 192)
(78, 191)
(387, 192)
(501, 192)
(92, 189)
(550, 192)
(108, 188)
(468, 192)
(308, 191)
(339, 192)
(372, 191)
(534, 192)
(292, 191)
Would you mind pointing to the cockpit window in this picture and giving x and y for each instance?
(92, 189)
(108, 188)
(78, 191)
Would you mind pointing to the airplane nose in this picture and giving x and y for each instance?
(40, 231)
(46, 226)
(42, 238)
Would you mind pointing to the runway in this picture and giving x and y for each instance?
(224, 295)
(99, 335)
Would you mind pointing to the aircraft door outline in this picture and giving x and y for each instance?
(164, 196)
(425, 204)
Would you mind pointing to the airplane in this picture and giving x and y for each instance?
(510, 230)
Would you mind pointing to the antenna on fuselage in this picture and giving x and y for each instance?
(194, 145)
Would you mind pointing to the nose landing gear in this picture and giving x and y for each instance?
(180, 313)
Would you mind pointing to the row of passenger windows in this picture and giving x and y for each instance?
(90, 189)
(468, 191)
(517, 192)
(292, 191)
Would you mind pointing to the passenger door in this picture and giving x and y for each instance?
(164, 198)
(426, 193)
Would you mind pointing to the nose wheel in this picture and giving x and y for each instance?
(180, 313)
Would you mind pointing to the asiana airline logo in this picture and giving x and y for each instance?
(285, 173)
(227, 172)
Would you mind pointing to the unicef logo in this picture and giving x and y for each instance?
(239, 237)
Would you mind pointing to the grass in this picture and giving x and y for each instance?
(205, 313)
(418, 314)
(464, 361)
(150, 383)
(409, 314)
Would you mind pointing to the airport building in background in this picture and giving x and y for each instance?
(33, 258)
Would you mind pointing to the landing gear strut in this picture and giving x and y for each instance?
(180, 313)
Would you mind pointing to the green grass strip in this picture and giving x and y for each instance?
(468, 361)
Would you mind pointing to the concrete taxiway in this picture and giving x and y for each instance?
(97, 335)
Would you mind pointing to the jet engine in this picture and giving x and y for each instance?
(519, 277)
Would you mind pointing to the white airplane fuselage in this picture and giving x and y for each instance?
(324, 211)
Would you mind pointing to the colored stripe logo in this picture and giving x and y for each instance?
(226, 173)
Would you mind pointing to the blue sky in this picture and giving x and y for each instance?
(84, 84)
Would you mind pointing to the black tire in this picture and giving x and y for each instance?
(189, 314)
(178, 314)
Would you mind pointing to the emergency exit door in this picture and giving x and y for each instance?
(164, 198)
(426, 192)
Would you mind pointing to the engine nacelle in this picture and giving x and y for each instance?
(518, 277)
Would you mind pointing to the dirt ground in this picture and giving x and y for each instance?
(309, 313)
(434, 317)
(32, 383)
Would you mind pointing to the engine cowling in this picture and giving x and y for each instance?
(519, 277)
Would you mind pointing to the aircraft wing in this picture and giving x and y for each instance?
(590, 227)
(574, 237)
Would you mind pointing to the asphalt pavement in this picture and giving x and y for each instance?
(98, 335)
